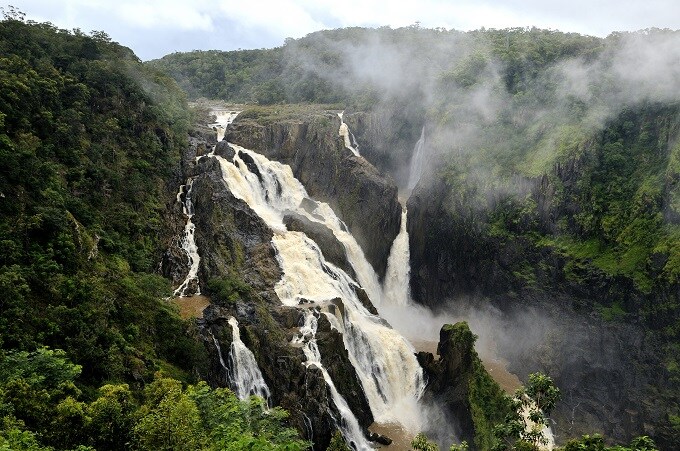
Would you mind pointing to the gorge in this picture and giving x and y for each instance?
(364, 238)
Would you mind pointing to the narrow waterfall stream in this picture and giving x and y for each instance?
(223, 364)
(222, 120)
(397, 289)
(350, 142)
(241, 373)
(244, 374)
(190, 285)
(384, 360)
(417, 160)
(348, 424)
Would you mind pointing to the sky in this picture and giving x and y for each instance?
(153, 28)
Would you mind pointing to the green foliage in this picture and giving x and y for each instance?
(169, 420)
(489, 406)
(14, 437)
(36, 412)
(88, 136)
(421, 443)
(337, 443)
(232, 424)
(541, 394)
(228, 290)
(522, 428)
(596, 442)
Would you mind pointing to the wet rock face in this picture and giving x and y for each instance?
(597, 366)
(445, 260)
(174, 262)
(331, 248)
(231, 238)
(366, 201)
(387, 138)
(224, 150)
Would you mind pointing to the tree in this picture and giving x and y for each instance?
(525, 427)
(112, 417)
(421, 443)
(169, 420)
(337, 443)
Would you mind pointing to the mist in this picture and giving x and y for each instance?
(488, 106)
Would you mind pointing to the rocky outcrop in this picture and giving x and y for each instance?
(331, 248)
(449, 377)
(366, 201)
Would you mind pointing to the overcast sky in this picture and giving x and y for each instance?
(153, 28)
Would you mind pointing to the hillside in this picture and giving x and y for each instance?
(92, 355)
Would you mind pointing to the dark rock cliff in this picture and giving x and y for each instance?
(449, 378)
(366, 201)
(598, 365)
(387, 137)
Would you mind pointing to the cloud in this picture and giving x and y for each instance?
(284, 17)
(176, 14)
(157, 27)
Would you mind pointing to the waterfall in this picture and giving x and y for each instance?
(222, 120)
(384, 360)
(397, 289)
(349, 425)
(244, 374)
(417, 160)
(190, 286)
(219, 354)
(350, 142)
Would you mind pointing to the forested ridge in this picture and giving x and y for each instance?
(92, 355)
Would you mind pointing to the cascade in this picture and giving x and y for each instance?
(350, 142)
(348, 424)
(190, 285)
(384, 360)
(396, 290)
(244, 374)
(417, 161)
(222, 120)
